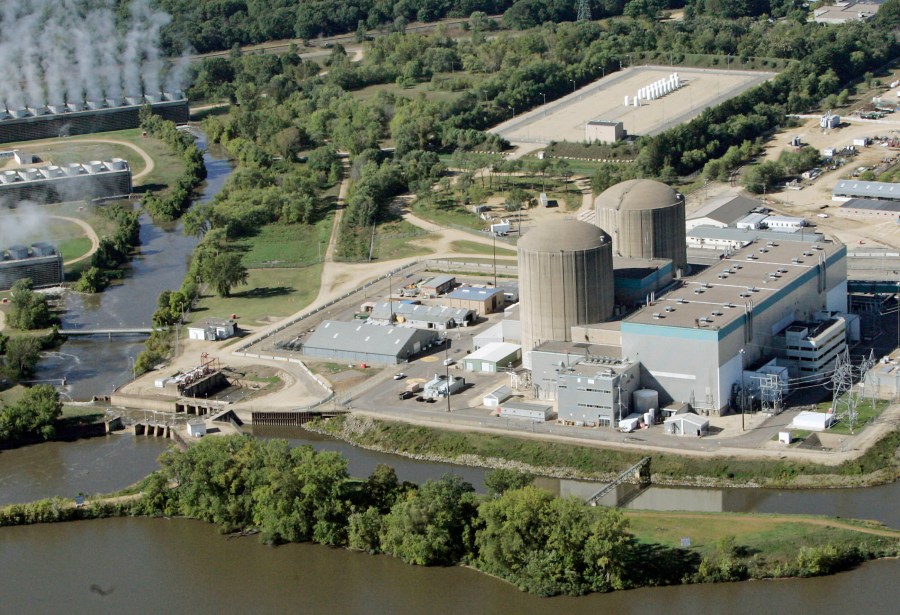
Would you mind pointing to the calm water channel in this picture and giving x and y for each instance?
(97, 365)
(181, 566)
(151, 566)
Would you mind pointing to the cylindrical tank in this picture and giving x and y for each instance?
(94, 166)
(113, 101)
(95, 104)
(645, 400)
(9, 177)
(17, 252)
(75, 105)
(118, 164)
(153, 98)
(31, 174)
(646, 220)
(56, 108)
(134, 100)
(18, 112)
(73, 168)
(565, 279)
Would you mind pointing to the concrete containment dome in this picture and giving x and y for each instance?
(565, 279)
(645, 219)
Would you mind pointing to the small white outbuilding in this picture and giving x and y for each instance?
(813, 421)
(686, 425)
(196, 429)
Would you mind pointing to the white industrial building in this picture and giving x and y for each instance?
(603, 131)
(722, 211)
(496, 397)
(686, 425)
(212, 329)
(526, 411)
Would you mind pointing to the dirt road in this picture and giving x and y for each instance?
(89, 231)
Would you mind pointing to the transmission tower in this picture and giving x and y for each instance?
(770, 393)
(841, 386)
(584, 10)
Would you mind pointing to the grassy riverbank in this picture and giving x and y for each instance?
(878, 465)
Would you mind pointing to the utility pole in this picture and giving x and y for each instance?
(494, 237)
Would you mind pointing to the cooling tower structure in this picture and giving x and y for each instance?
(645, 219)
(565, 279)
(43, 266)
(71, 182)
(79, 118)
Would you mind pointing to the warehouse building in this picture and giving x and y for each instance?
(742, 304)
(356, 342)
(847, 189)
(785, 224)
(439, 317)
(507, 330)
(722, 211)
(71, 182)
(493, 357)
(872, 207)
(480, 300)
(437, 285)
(42, 265)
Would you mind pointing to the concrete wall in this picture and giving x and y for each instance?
(562, 289)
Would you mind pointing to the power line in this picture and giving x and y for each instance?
(584, 11)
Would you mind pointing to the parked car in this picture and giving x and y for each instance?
(448, 362)
(399, 376)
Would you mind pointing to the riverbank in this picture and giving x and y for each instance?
(878, 465)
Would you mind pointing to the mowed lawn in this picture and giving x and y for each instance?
(269, 293)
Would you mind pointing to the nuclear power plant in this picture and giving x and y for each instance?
(770, 311)
(72, 182)
(42, 264)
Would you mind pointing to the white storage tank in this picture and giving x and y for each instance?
(56, 108)
(134, 100)
(95, 166)
(9, 177)
(95, 104)
(645, 400)
(153, 98)
(73, 169)
(75, 105)
(32, 174)
(118, 164)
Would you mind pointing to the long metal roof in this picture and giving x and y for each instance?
(423, 313)
(474, 293)
(726, 209)
(873, 205)
(862, 189)
(364, 337)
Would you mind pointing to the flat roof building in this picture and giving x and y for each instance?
(741, 303)
(842, 12)
(731, 238)
(478, 299)
(358, 342)
(526, 411)
(603, 131)
(212, 329)
(438, 285)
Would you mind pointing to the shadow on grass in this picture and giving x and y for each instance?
(264, 293)
(145, 188)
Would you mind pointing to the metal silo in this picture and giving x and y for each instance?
(565, 279)
(645, 219)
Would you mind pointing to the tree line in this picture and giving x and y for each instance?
(541, 543)
(178, 199)
(32, 417)
(113, 250)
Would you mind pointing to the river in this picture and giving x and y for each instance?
(95, 365)
(182, 566)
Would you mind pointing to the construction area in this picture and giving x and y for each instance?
(564, 119)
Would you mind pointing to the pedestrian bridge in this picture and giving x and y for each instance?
(107, 332)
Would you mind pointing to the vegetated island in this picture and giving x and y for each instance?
(541, 543)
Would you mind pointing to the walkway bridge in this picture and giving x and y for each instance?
(640, 470)
(107, 332)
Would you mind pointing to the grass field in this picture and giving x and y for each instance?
(772, 535)
(11, 395)
(399, 239)
(472, 247)
(272, 292)
(74, 248)
(279, 245)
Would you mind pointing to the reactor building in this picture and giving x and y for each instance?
(80, 117)
(42, 264)
(646, 221)
(600, 330)
(565, 279)
(72, 182)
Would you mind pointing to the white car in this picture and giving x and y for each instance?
(449, 362)
(822, 215)
(399, 376)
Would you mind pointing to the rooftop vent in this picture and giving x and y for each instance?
(728, 305)
(764, 249)
(807, 254)
(752, 257)
(698, 291)
(657, 315)
(716, 313)
(669, 308)
(681, 300)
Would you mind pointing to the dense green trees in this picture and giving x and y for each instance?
(171, 206)
(33, 416)
(20, 356)
(223, 272)
(29, 308)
